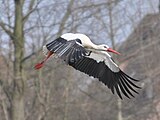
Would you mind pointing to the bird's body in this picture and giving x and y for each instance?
(84, 40)
(78, 51)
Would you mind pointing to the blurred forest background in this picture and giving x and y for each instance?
(58, 92)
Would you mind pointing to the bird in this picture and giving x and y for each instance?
(77, 50)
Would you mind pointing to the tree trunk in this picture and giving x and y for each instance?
(17, 108)
(111, 27)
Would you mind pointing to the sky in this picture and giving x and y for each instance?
(127, 15)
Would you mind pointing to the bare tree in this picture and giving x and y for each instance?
(57, 91)
(17, 112)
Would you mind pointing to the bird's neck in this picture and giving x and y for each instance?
(91, 45)
(97, 47)
(94, 46)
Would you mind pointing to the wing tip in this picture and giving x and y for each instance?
(136, 80)
(125, 85)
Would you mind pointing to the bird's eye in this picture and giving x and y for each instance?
(105, 47)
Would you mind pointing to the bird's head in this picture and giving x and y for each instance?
(104, 47)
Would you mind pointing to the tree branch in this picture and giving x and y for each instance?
(30, 10)
(27, 57)
(65, 17)
(10, 33)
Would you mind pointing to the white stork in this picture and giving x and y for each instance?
(78, 51)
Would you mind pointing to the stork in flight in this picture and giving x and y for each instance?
(78, 51)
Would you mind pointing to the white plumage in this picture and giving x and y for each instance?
(78, 51)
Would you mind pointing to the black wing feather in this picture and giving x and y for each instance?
(69, 51)
(123, 87)
(118, 91)
(118, 81)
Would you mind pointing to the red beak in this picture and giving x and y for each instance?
(113, 51)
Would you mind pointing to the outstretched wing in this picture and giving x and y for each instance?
(94, 64)
(69, 51)
(107, 72)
